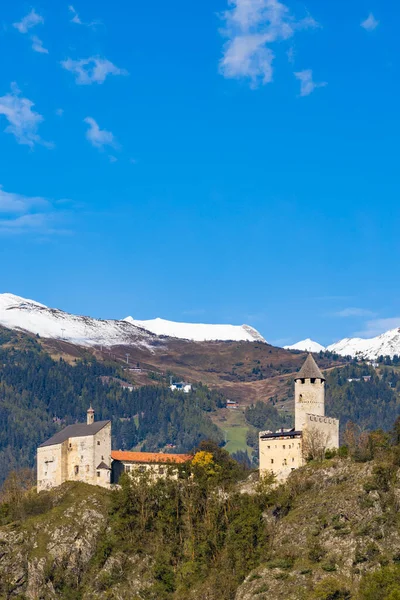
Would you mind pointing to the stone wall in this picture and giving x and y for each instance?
(76, 459)
(327, 426)
(309, 398)
(281, 455)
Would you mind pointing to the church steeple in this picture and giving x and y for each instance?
(90, 415)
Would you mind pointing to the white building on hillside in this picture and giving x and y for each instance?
(283, 451)
(80, 452)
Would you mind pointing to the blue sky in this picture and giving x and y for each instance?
(212, 161)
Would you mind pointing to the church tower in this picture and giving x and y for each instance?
(90, 415)
(309, 393)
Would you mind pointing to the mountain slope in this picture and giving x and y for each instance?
(29, 315)
(306, 345)
(386, 344)
(34, 317)
(199, 332)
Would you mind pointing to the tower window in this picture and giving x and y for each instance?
(272, 461)
(76, 469)
(98, 443)
(302, 380)
(312, 379)
(98, 473)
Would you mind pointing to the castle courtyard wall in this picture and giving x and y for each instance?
(328, 428)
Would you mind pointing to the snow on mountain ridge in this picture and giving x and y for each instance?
(306, 345)
(199, 332)
(29, 315)
(386, 344)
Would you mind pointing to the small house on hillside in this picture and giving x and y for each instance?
(181, 387)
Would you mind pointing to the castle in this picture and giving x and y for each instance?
(82, 452)
(285, 450)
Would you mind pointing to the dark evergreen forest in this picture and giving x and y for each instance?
(39, 396)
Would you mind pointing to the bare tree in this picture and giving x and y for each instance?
(314, 443)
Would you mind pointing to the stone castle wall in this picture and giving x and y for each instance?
(280, 455)
(309, 398)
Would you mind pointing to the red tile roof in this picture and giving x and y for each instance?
(150, 457)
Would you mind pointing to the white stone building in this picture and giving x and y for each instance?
(283, 451)
(80, 452)
(156, 464)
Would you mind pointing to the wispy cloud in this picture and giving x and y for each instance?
(99, 137)
(59, 112)
(354, 312)
(30, 20)
(29, 214)
(92, 70)
(375, 327)
(250, 27)
(23, 120)
(307, 85)
(370, 23)
(37, 45)
(78, 21)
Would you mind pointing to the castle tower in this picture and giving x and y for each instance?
(309, 392)
(90, 415)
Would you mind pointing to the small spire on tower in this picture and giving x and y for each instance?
(90, 415)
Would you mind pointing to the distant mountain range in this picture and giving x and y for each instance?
(307, 346)
(36, 318)
(386, 344)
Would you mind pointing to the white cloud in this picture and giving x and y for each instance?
(370, 23)
(28, 214)
(77, 20)
(354, 312)
(75, 17)
(307, 85)
(377, 326)
(91, 70)
(250, 26)
(11, 203)
(23, 120)
(99, 137)
(30, 20)
(37, 45)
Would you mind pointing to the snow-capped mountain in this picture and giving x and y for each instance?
(28, 315)
(199, 332)
(32, 316)
(306, 345)
(386, 344)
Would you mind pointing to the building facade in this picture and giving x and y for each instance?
(156, 464)
(80, 452)
(283, 451)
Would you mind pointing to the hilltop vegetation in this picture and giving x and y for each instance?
(332, 532)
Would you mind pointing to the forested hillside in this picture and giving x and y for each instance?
(330, 533)
(39, 396)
